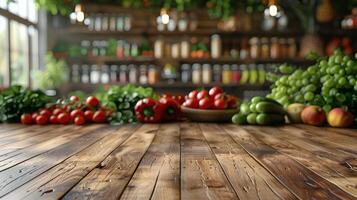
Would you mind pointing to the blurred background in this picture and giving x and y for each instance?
(171, 45)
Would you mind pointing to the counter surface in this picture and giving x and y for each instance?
(177, 161)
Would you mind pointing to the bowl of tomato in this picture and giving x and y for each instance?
(209, 106)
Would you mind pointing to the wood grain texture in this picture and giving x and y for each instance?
(201, 174)
(305, 183)
(177, 161)
(57, 181)
(109, 179)
(249, 179)
(318, 161)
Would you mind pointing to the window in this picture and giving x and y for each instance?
(18, 42)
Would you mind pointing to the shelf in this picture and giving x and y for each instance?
(83, 31)
(111, 60)
(176, 85)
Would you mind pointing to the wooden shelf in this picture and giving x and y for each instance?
(107, 59)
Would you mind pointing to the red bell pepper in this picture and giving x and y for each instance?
(148, 111)
(171, 109)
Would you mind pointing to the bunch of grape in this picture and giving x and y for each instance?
(331, 82)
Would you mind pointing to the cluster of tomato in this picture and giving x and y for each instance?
(215, 98)
(69, 111)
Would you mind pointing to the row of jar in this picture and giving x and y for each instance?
(108, 22)
(143, 74)
(226, 74)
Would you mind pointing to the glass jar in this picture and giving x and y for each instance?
(244, 49)
(75, 77)
(159, 48)
(175, 50)
(196, 73)
(105, 22)
(85, 45)
(265, 48)
(112, 22)
(216, 46)
(254, 47)
(127, 23)
(185, 73)
(143, 78)
(95, 48)
(206, 74)
(185, 49)
(236, 74)
(134, 50)
(120, 49)
(153, 75)
(98, 22)
(274, 48)
(104, 77)
(182, 22)
(95, 74)
(217, 73)
(123, 77)
(127, 51)
(133, 73)
(85, 74)
(226, 74)
(120, 23)
(114, 73)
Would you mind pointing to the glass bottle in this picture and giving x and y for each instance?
(112, 22)
(217, 73)
(85, 74)
(153, 75)
(133, 74)
(143, 79)
(196, 73)
(226, 74)
(254, 47)
(206, 74)
(104, 78)
(185, 73)
(274, 48)
(236, 74)
(95, 74)
(114, 73)
(265, 48)
(185, 49)
(123, 78)
(216, 46)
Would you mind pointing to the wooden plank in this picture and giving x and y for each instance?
(329, 169)
(201, 174)
(31, 140)
(18, 175)
(109, 180)
(23, 133)
(303, 182)
(158, 174)
(347, 143)
(342, 131)
(10, 127)
(249, 179)
(55, 182)
(13, 158)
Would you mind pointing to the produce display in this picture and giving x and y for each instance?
(215, 98)
(261, 111)
(330, 83)
(16, 100)
(122, 99)
(68, 111)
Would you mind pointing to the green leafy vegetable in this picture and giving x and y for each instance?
(17, 100)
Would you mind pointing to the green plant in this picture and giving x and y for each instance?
(55, 74)
(17, 100)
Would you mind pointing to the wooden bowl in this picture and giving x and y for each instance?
(200, 115)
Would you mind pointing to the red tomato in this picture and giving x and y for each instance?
(92, 101)
(221, 96)
(205, 103)
(99, 116)
(202, 94)
(88, 115)
(63, 118)
(26, 119)
(191, 103)
(193, 94)
(220, 104)
(76, 112)
(34, 115)
(232, 101)
(41, 120)
(46, 113)
(53, 119)
(214, 91)
(79, 120)
(74, 99)
(57, 111)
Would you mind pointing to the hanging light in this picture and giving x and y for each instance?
(165, 18)
(273, 9)
(78, 14)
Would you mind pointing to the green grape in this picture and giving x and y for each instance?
(340, 97)
(327, 108)
(329, 83)
(345, 59)
(355, 87)
(352, 81)
(338, 59)
(342, 81)
(309, 96)
(310, 88)
(341, 72)
(350, 63)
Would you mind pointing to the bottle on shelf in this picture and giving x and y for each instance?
(217, 73)
(104, 74)
(153, 75)
(114, 73)
(123, 77)
(133, 74)
(206, 74)
(226, 74)
(216, 46)
(95, 74)
(196, 73)
(236, 75)
(85, 74)
(143, 78)
(185, 73)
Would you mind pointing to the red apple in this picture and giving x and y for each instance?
(313, 115)
(339, 117)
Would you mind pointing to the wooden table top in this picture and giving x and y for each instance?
(177, 161)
